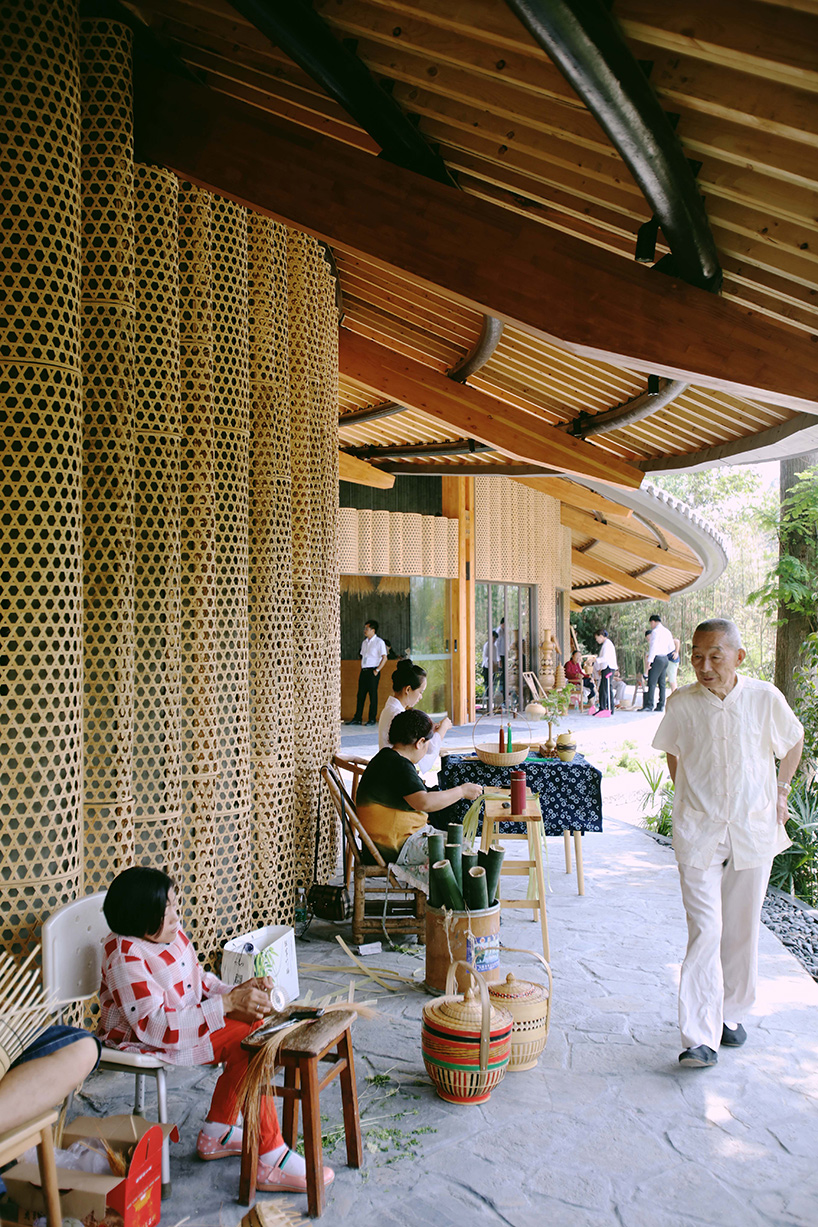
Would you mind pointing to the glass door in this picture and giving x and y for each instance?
(430, 618)
(504, 617)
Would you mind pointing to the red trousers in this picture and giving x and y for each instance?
(224, 1106)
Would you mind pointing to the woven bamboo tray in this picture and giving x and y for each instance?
(492, 757)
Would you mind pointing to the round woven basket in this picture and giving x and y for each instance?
(466, 1043)
(530, 1006)
(491, 756)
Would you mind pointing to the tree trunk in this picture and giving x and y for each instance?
(794, 627)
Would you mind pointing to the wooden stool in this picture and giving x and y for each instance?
(494, 815)
(299, 1056)
(37, 1132)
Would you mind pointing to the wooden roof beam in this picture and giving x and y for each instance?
(613, 575)
(624, 539)
(350, 468)
(473, 414)
(576, 295)
(576, 496)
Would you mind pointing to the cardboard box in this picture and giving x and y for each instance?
(276, 958)
(135, 1196)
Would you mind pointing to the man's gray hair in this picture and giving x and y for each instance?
(721, 626)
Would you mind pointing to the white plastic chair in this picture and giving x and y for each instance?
(72, 970)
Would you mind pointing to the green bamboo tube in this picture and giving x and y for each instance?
(477, 897)
(455, 833)
(447, 888)
(435, 898)
(469, 862)
(454, 856)
(493, 868)
(482, 858)
(437, 847)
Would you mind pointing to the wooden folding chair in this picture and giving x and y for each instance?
(380, 904)
(356, 767)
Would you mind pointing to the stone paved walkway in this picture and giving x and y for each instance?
(607, 1131)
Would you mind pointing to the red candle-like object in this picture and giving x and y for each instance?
(518, 798)
(502, 747)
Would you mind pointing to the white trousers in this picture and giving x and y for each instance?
(720, 970)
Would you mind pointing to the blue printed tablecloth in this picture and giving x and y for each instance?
(570, 793)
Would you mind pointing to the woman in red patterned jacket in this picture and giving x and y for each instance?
(155, 998)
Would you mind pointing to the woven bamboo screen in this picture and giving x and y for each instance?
(40, 443)
(538, 551)
(170, 527)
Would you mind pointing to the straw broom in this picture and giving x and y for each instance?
(24, 1011)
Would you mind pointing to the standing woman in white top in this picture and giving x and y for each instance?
(605, 667)
(408, 684)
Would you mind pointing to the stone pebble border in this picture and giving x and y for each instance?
(793, 922)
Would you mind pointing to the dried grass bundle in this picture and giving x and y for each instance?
(360, 587)
(24, 1011)
(395, 585)
(260, 1073)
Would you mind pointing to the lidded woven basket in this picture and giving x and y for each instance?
(466, 1043)
(530, 1007)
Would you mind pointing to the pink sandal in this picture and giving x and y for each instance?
(274, 1179)
(219, 1148)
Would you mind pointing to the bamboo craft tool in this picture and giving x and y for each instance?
(494, 815)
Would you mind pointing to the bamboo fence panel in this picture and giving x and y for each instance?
(40, 454)
(108, 320)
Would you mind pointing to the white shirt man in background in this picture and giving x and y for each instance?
(373, 658)
(604, 668)
(660, 649)
(722, 736)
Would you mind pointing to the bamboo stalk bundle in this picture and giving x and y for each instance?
(454, 856)
(469, 863)
(494, 865)
(447, 889)
(476, 892)
(24, 1011)
(437, 847)
(455, 833)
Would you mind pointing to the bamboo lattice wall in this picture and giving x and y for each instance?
(170, 513)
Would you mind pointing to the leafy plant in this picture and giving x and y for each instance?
(628, 759)
(792, 584)
(796, 869)
(656, 802)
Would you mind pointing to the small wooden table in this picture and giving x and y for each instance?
(494, 815)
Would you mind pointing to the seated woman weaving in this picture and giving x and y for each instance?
(155, 998)
(393, 801)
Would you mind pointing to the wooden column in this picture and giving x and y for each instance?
(458, 503)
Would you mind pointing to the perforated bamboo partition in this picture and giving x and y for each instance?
(272, 673)
(108, 318)
(205, 543)
(40, 454)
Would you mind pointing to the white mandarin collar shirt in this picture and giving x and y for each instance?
(372, 650)
(726, 779)
(393, 707)
(607, 656)
(660, 642)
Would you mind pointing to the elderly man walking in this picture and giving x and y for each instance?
(722, 736)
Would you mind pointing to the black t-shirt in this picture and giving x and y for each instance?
(380, 801)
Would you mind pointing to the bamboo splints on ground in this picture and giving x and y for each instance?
(24, 1011)
(273, 1214)
(460, 879)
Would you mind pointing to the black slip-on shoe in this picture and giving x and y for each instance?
(733, 1039)
(698, 1058)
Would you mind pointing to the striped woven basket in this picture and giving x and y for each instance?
(466, 1044)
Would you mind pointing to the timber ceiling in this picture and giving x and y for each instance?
(739, 78)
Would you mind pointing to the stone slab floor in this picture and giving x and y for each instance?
(606, 1131)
